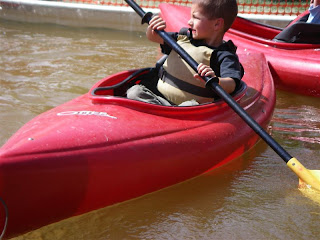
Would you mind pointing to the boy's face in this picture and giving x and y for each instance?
(202, 27)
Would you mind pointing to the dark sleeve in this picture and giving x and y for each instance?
(227, 64)
(165, 48)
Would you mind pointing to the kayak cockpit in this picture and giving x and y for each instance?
(118, 84)
(297, 35)
(300, 32)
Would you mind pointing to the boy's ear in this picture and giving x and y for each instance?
(219, 24)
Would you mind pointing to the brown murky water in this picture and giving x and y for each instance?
(254, 197)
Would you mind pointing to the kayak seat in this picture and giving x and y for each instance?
(300, 32)
(145, 76)
(304, 18)
(120, 88)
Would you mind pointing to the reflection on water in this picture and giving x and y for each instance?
(253, 197)
(296, 122)
(300, 123)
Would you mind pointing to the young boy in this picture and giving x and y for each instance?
(178, 83)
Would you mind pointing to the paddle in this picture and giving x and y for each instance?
(308, 178)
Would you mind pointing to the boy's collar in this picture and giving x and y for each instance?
(197, 42)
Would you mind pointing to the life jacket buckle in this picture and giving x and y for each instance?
(161, 73)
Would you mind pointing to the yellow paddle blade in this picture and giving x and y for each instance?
(307, 178)
(315, 173)
(312, 194)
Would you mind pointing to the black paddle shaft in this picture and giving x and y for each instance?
(146, 17)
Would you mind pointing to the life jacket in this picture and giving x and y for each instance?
(177, 82)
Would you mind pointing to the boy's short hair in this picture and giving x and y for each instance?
(226, 9)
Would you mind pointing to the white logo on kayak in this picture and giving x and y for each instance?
(85, 113)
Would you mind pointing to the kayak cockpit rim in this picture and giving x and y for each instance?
(114, 89)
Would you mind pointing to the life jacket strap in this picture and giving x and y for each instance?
(184, 86)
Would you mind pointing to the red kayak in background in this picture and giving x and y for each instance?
(102, 148)
(295, 67)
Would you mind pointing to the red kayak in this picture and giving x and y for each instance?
(102, 148)
(295, 67)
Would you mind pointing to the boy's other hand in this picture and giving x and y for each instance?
(204, 70)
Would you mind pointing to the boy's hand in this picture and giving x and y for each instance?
(204, 70)
(227, 83)
(156, 23)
